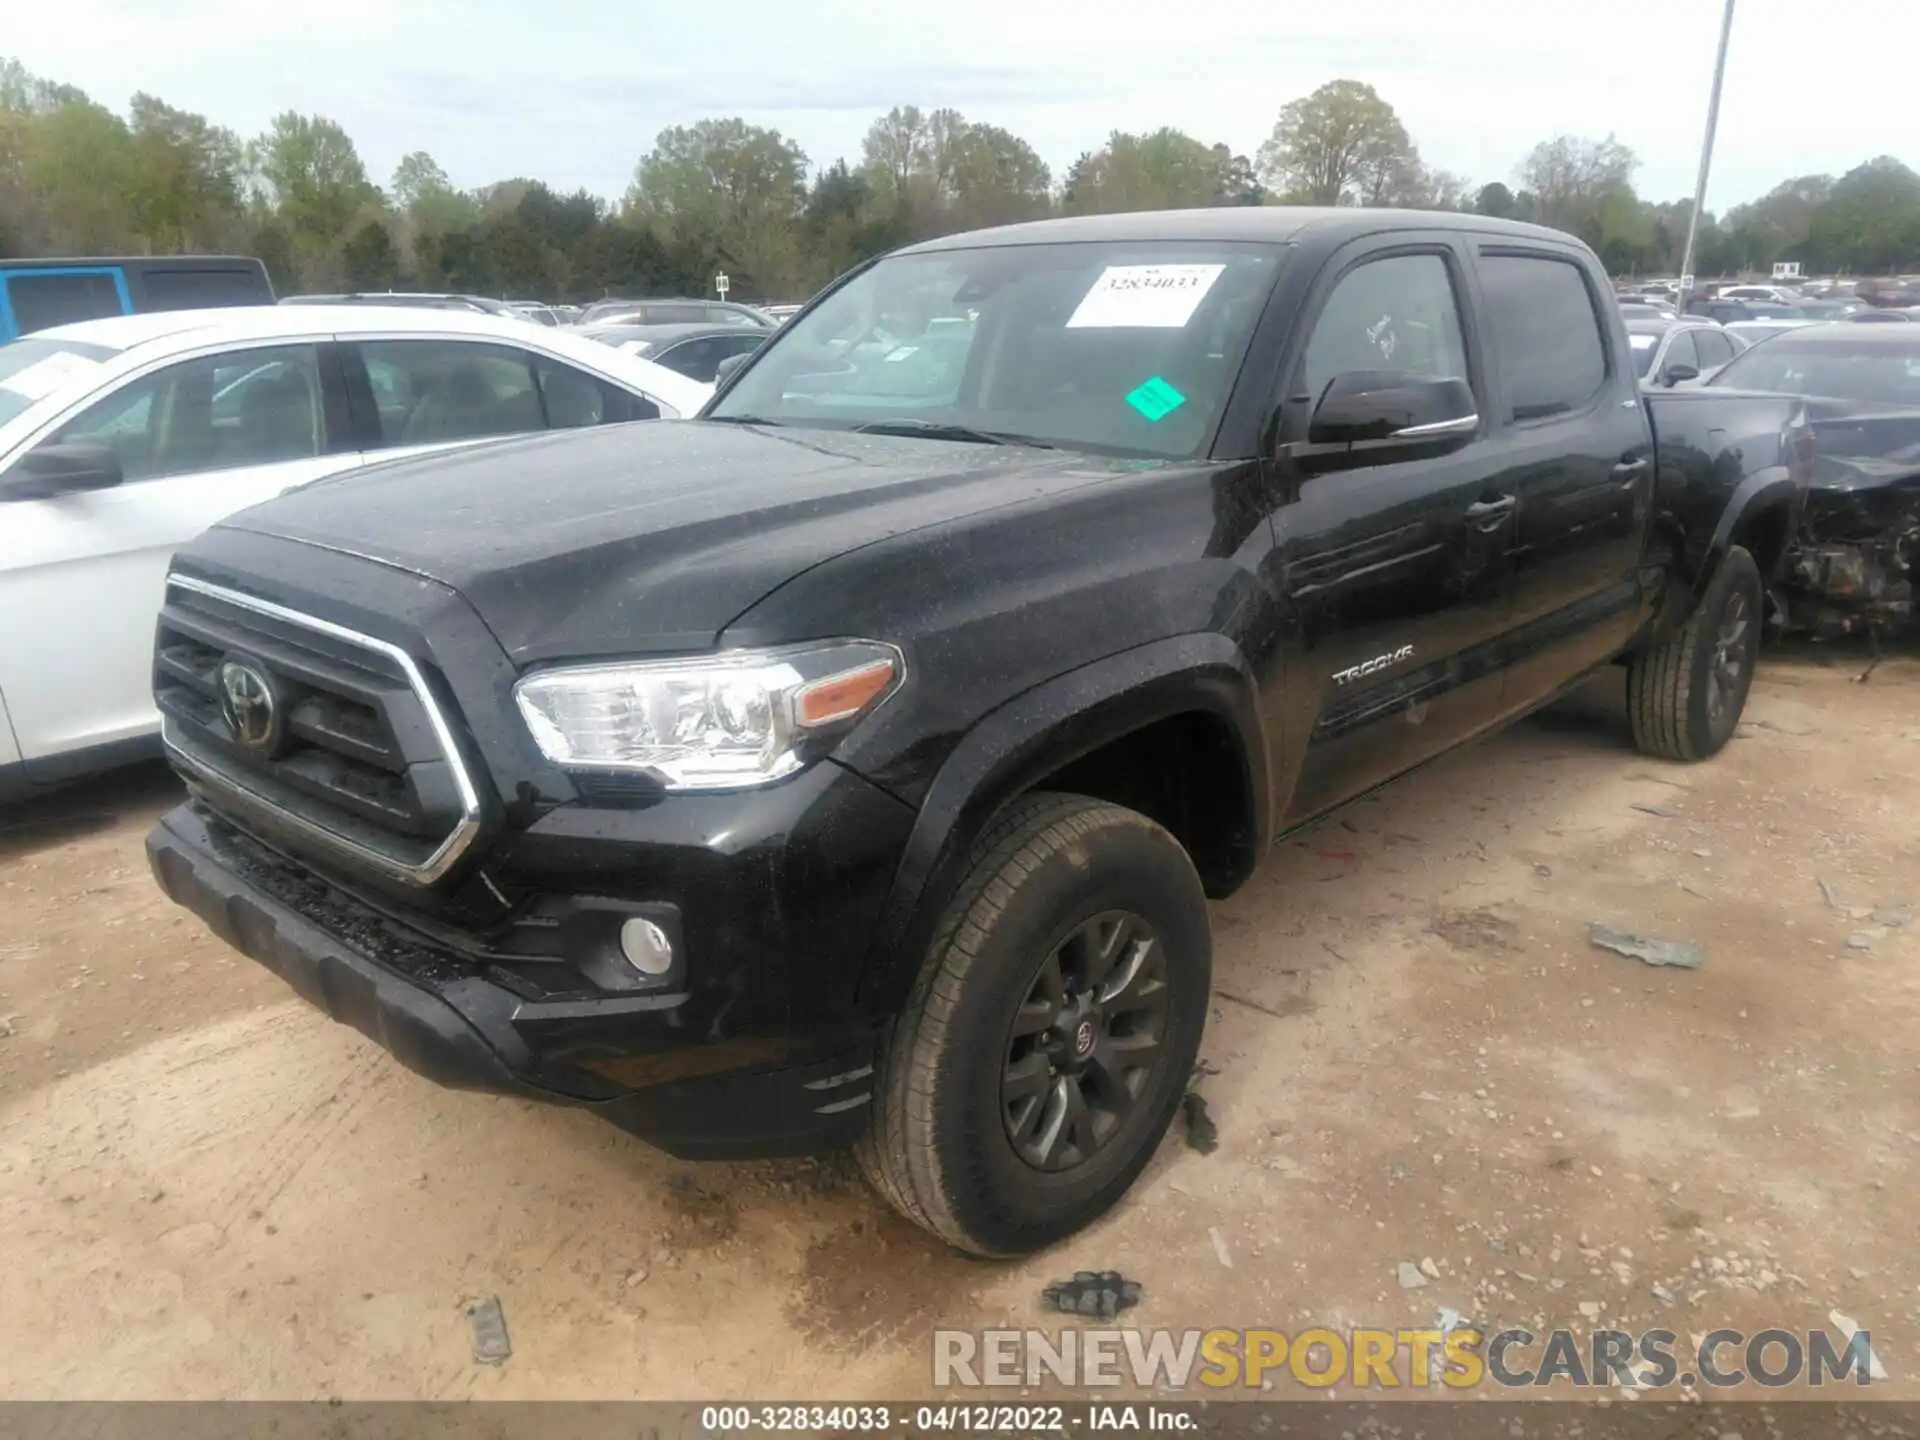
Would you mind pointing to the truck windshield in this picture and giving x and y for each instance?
(1123, 348)
(36, 367)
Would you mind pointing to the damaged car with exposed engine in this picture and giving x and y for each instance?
(1850, 569)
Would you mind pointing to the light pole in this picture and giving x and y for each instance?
(1706, 158)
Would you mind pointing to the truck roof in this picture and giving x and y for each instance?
(1270, 223)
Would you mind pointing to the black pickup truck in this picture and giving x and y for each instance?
(853, 763)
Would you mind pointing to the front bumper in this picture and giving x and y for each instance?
(445, 1018)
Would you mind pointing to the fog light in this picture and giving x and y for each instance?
(646, 947)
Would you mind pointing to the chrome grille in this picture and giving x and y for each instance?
(363, 760)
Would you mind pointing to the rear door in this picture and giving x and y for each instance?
(1574, 446)
(1394, 573)
(83, 576)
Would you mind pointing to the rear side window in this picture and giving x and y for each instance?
(676, 314)
(1547, 332)
(575, 398)
(43, 301)
(201, 289)
(1715, 349)
(1682, 352)
(429, 392)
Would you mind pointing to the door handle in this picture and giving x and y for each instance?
(1490, 514)
(1632, 472)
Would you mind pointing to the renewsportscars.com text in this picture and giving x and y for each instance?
(1461, 1358)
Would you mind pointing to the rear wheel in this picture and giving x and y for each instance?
(1048, 1040)
(1684, 697)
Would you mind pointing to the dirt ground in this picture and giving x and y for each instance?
(209, 1190)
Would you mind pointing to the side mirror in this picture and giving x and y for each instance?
(1678, 374)
(61, 470)
(729, 367)
(1390, 410)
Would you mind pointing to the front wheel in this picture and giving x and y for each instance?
(1684, 697)
(1049, 1037)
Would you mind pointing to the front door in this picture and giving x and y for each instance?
(85, 573)
(1392, 574)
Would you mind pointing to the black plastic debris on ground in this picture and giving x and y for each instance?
(1100, 1293)
(1202, 1134)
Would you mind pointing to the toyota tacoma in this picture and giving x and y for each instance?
(853, 764)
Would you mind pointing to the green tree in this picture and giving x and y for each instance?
(703, 177)
(1166, 170)
(1870, 221)
(427, 198)
(995, 178)
(1239, 182)
(81, 175)
(369, 258)
(725, 194)
(186, 179)
(1497, 200)
(1573, 180)
(1342, 144)
(314, 183)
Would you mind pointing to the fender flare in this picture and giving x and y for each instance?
(1759, 492)
(1011, 748)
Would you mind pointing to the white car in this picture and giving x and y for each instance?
(121, 439)
(1767, 294)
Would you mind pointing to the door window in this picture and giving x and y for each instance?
(1547, 330)
(1681, 351)
(1399, 313)
(220, 412)
(695, 359)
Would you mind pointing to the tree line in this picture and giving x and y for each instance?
(76, 178)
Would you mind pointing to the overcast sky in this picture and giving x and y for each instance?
(573, 91)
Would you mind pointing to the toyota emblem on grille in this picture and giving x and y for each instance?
(249, 705)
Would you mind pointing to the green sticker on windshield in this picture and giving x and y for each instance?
(1156, 399)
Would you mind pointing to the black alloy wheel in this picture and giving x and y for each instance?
(1086, 1041)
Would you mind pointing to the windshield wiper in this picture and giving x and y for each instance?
(745, 420)
(945, 430)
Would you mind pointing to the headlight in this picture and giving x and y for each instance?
(716, 722)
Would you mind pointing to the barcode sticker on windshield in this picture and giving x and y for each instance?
(46, 375)
(1155, 297)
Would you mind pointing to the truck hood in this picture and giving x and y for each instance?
(650, 537)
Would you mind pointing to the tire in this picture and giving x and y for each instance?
(1038, 899)
(1682, 698)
